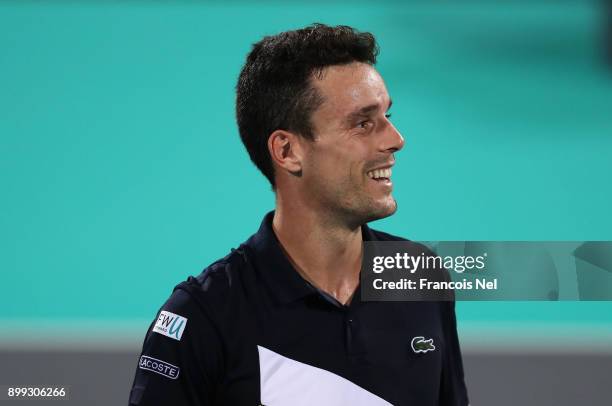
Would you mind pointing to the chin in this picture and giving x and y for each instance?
(380, 211)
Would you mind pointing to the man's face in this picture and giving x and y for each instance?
(347, 167)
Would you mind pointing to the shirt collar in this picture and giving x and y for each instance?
(274, 267)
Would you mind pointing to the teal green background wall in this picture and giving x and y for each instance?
(121, 169)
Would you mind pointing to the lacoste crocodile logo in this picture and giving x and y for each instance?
(421, 345)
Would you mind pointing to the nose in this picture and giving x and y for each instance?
(392, 140)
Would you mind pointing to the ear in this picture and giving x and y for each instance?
(286, 151)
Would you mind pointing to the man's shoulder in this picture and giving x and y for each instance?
(216, 285)
(223, 275)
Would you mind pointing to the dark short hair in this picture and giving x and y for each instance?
(274, 90)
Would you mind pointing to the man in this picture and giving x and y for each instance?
(279, 321)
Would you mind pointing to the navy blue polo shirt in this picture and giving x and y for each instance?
(249, 330)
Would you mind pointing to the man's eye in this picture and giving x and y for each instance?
(388, 115)
(364, 124)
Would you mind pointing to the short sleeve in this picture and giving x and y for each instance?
(453, 391)
(181, 359)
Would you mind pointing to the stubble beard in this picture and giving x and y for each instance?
(349, 205)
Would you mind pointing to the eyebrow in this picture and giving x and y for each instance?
(365, 111)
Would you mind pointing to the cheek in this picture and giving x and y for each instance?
(339, 171)
(323, 163)
(337, 164)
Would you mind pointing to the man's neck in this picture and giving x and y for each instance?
(325, 253)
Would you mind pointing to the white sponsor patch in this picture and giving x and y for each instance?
(170, 324)
(159, 367)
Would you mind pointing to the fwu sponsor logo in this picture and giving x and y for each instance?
(159, 367)
(170, 324)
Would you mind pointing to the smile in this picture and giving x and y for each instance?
(380, 174)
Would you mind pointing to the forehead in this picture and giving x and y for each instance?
(345, 88)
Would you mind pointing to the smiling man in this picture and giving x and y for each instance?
(280, 320)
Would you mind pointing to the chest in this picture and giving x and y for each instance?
(311, 353)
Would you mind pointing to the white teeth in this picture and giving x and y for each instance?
(380, 173)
